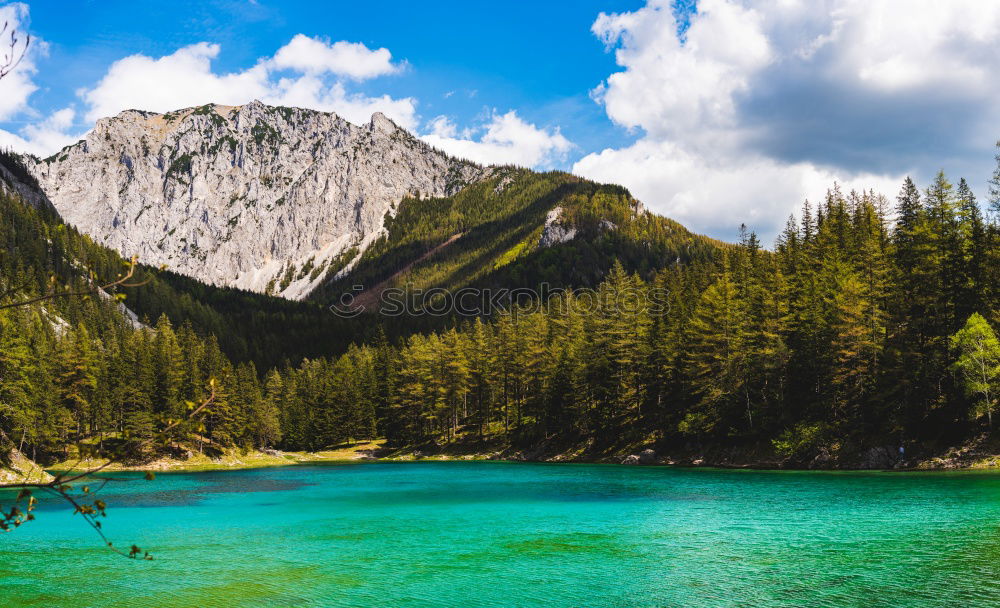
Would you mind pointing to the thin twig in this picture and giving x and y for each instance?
(122, 281)
(60, 485)
(11, 60)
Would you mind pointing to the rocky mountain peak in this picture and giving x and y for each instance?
(380, 123)
(260, 197)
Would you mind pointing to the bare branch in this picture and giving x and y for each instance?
(15, 50)
(122, 281)
(93, 510)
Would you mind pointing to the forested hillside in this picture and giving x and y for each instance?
(858, 331)
(521, 229)
(865, 326)
(76, 369)
(249, 326)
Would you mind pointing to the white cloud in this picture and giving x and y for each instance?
(343, 58)
(45, 137)
(716, 197)
(669, 87)
(309, 91)
(765, 103)
(306, 72)
(185, 78)
(179, 80)
(504, 139)
(901, 44)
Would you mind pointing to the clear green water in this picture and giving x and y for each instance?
(470, 534)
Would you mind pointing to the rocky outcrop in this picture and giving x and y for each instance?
(16, 179)
(879, 457)
(269, 199)
(556, 229)
(647, 456)
(15, 467)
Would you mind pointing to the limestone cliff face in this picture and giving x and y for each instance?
(16, 180)
(258, 197)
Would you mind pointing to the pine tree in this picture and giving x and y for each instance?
(168, 365)
(715, 341)
(855, 347)
(970, 260)
(765, 354)
(77, 377)
(267, 419)
(480, 373)
(627, 313)
(456, 378)
(17, 416)
(915, 306)
(385, 369)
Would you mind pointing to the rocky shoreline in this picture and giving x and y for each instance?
(879, 458)
(977, 454)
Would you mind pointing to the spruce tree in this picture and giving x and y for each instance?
(715, 342)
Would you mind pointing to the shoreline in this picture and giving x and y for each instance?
(230, 460)
(376, 451)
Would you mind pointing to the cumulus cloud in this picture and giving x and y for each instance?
(186, 78)
(44, 137)
(503, 139)
(311, 92)
(669, 87)
(315, 55)
(306, 72)
(715, 196)
(757, 105)
(181, 79)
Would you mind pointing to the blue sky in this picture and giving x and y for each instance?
(713, 112)
(538, 58)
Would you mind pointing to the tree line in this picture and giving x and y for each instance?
(870, 323)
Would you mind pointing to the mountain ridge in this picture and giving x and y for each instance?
(244, 196)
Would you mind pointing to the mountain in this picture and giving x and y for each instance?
(518, 228)
(303, 204)
(495, 227)
(257, 197)
(854, 337)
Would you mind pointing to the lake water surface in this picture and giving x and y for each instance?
(469, 534)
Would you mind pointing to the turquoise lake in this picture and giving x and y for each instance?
(468, 534)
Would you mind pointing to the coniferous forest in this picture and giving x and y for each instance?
(871, 322)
